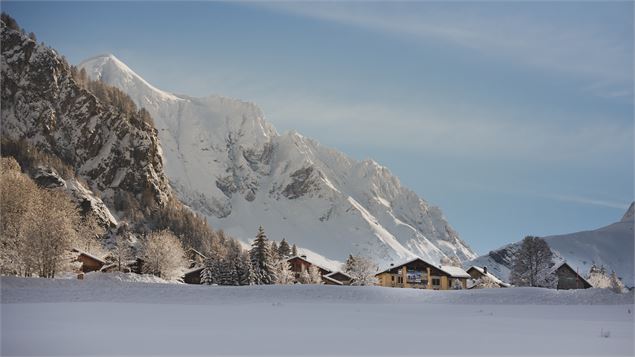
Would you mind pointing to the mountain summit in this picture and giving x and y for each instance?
(226, 162)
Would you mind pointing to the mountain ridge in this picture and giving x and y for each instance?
(227, 162)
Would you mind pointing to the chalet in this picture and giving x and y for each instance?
(568, 278)
(330, 281)
(130, 266)
(193, 276)
(300, 263)
(89, 261)
(477, 273)
(195, 258)
(419, 274)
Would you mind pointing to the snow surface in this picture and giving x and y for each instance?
(225, 161)
(109, 317)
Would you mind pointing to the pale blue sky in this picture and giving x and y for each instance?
(514, 118)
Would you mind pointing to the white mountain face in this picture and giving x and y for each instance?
(225, 161)
(611, 246)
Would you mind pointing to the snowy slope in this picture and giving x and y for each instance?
(225, 161)
(611, 246)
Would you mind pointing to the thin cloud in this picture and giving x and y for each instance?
(581, 50)
(588, 201)
(478, 135)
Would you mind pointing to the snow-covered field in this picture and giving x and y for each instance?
(113, 317)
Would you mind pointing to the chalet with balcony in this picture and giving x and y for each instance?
(419, 274)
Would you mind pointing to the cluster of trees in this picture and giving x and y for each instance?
(39, 226)
(30, 157)
(265, 263)
(600, 278)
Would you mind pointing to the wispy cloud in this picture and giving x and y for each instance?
(587, 201)
(479, 134)
(579, 49)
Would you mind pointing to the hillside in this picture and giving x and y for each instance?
(611, 246)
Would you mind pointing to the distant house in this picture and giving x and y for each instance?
(193, 276)
(419, 274)
(330, 281)
(89, 261)
(130, 266)
(568, 278)
(195, 258)
(300, 263)
(339, 276)
(477, 273)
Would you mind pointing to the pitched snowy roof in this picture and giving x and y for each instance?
(193, 270)
(558, 266)
(197, 253)
(455, 272)
(402, 264)
(81, 252)
(490, 275)
(338, 272)
(333, 280)
(310, 262)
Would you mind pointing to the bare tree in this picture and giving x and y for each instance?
(285, 274)
(164, 255)
(532, 264)
(314, 275)
(361, 269)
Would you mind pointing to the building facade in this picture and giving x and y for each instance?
(420, 274)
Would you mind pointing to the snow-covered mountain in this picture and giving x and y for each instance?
(43, 107)
(227, 162)
(611, 246)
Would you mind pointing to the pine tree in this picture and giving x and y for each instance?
(284, 250)
(227, 273)
(261, 259)
(244, 270)
(294, 251)
(206, 274)
(275, 254)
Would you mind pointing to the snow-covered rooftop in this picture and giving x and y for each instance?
(490, 275)
(455, 272)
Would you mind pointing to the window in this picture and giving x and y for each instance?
(399, 280)
(436, 281)
(392, 278)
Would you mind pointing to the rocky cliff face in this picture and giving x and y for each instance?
(227, 162)
(43, 105)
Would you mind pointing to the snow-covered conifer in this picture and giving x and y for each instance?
(284, 250)
(261, 259)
